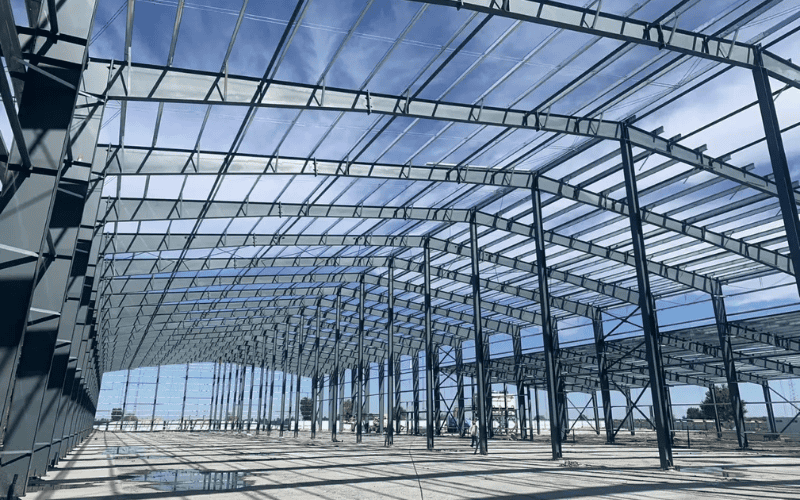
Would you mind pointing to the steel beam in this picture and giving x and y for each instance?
(336, 371)
(429, 350)
(773, 428)
(663, 36)
(315, 380)
(300, 342)
(359, 381)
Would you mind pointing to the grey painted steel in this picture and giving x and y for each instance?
(334, 388)
(602, 367)
(461, 421)
(777, 154)
(538, 415)
(183, 403)
(390, 361)
(155, 398)
(519, 382)
(262, 382)
(430, 351)
(359, 369)
(381, 396)
(647, 308)
(284, 367)
(38, 232)
(592, 21)
(596, 413)
(250, 399)
(415, 393)
(481, 379)
(300, 343)
(629, 411)
(315, 381)
(549, 335)
(712, 391)
(272, 368)
(773, 428)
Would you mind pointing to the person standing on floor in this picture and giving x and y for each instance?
(473, 433)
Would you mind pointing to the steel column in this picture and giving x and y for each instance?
(262, 381)
(359, 381)
(315, 380)
(602, 367)
(390, 393)
(724, 334)
(300, 341)
(415, 390)
(629, 411)
(596, 413)
(780, 166)
(516, 343)
(250, 401)
(125, 400)
(334, 390)
(460, 388)
(155, 399)
(272, 378)
(429, 348)
(381, 382)
(712, 391)
(211, 407)
(647, 306)
(773, 428)
(284, 361)
(480, 373)
(549, 338)
(183, 404)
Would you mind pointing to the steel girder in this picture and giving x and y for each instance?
(127, 209)
(162, 84)
(659, 35)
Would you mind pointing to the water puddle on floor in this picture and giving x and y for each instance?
(717, 470)
(35, 485)
(176, 480)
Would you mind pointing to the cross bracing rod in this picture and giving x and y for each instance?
(148, 243)
(152, 161)
(664, 36)
(161, 84)
(136, 209)
(148, 266)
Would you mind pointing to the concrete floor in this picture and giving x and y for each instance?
(302, 468)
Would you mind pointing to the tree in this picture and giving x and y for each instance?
(694, 414)
(116, 414)
(724, 407)
(306, 408)
(347, 409)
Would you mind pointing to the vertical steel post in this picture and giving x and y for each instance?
(398, 395)
(315, 381)
(359, 382)
(429, 348)
(538, 415)
(629, 411)
(336, 371)
(480, 373)
(211, 407)
(647, 306)
(726, 348)
(240, 413)
(460, 388)
(155, 399)
(272, 367)
(183, 404)
(712, 391)
(284, 361)
(773, 428)
(252, 388)
(548, 334)
(519, 378)
(780, 166)
(437, 394)
(390, 393)
(262, 380)
(125, 400)
(602, 366)
(415, 390)
(596, 413)
(300, 341)
(381, 408)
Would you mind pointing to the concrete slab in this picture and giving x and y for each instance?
(171, 465)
